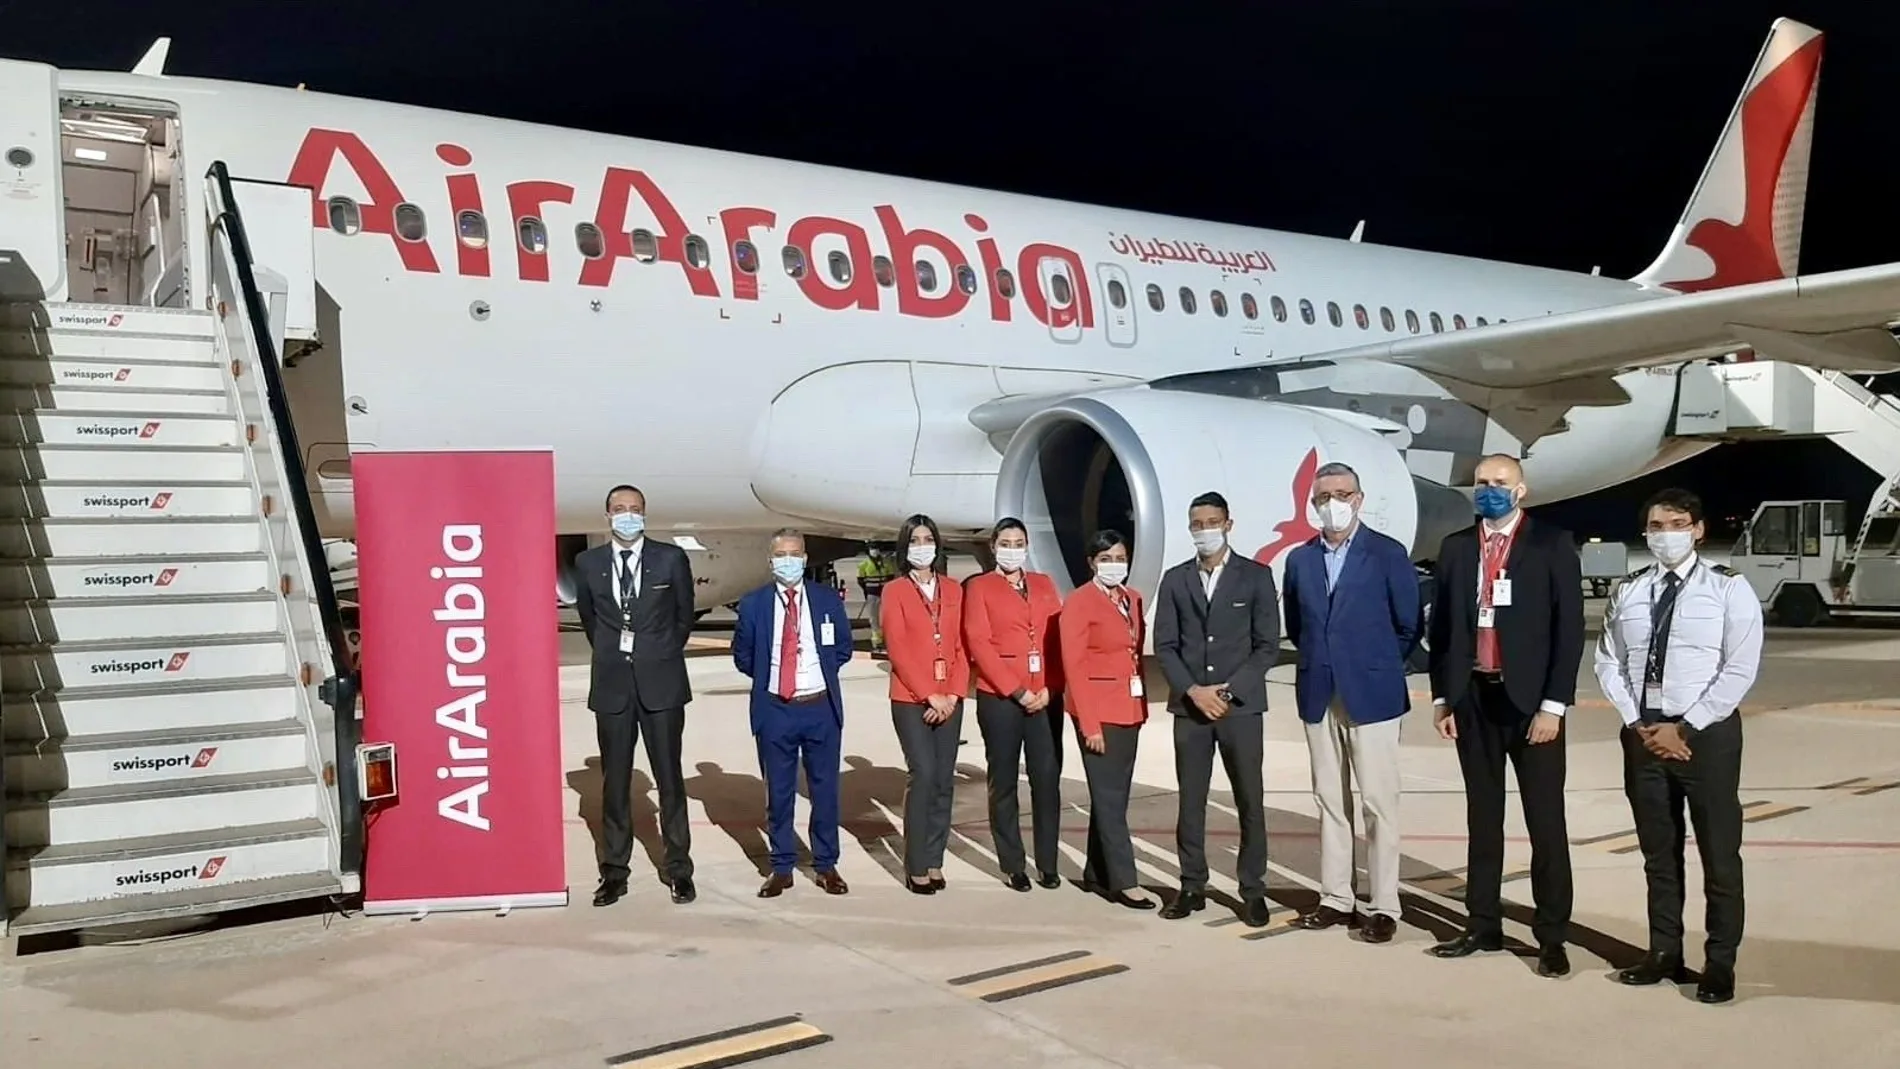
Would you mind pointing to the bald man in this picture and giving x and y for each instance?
(1506, 646)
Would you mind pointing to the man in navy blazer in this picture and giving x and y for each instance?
(1352, 609)
(791, 639)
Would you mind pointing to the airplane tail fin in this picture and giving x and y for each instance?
(1743, 223)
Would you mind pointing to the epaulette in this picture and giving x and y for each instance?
(1638, 572)
(1723, 569)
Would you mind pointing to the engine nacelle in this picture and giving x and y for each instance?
(1132, 459)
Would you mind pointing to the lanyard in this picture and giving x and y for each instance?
(1022, 591)
(1492, 569)
(628, 574)
(933, 606)
(1125, 605)
(1652, 668)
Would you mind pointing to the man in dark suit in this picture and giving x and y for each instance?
(636, 608)
(791, 638)
(1506, 645)
(1217, 631)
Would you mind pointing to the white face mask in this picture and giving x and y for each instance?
(1208, 543)
(1112, 573)
(1671, 547)
(1012, 558)
(921, 556)
(1335, 515)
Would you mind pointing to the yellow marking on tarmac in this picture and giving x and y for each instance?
(1517, 874)
(1755, 813)
(734, 1046)
(1031, 977)
(1876, 788)
(1273, 927)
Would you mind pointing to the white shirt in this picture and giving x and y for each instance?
(1713, 648)
(1485, 531)
(810, 679)
(1210, 577)
(633, 568)
(928, 589)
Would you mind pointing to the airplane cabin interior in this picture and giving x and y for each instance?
(125, 242)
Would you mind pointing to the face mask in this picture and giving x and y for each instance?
(628, 525)
(1672, 547)
(788, 570)
(1494, 502)
(1335, 515)
(921, 556)
(1111, 573)
(1012, 559)
(1208, 543)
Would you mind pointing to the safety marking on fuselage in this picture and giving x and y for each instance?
(733, 1046)
(1032, 977)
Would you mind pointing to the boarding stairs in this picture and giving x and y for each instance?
(1766, 399)
(165, 656)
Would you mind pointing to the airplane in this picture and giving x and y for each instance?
(758, 343)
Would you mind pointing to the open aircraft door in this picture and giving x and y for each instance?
(32, 204)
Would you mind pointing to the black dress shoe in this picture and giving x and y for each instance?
(1379, 928)
(1553, 961)
(1184, 905)
(1018, 881)
(1717, 985)
(1255, 911)
(609, 892)
(924, 888)
(684, 891)
(1655, 967)
(1468, 944)
(1123, 898)
(1048, 880)
(938, 883)
(1322, 917)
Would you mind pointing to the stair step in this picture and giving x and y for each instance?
(127, 430)
(130, 869)
(110, 462)
(180, 351)
(178, 575)
(116, 374)
(129, 399)
(36, 767)
(108, 320)
(140, 810)
(24, 538)
(97, 500)
(93, 712)
(72, 667)
(40, 622)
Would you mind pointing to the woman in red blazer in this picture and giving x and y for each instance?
(1009, 627)
(930, 676)
(1101, 633)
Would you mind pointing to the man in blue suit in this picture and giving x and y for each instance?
(791, 639)
(1352, 609)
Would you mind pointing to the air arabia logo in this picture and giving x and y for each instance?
(133, 669)
(197, 762)
(159, 579)
(1298, 529)
(164, 877)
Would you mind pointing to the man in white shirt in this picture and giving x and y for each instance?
(1680, 648)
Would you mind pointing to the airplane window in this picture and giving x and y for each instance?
(1187, 300)
(926, 276)
(1306, 311)
(794, 259)
(345, 217)
(746, 255)
(1060, 289)
(1155, 299)
(1481, 321)
(645, 248)
(1411, 321)
(472, 230)
(592, 244)
(410, 225)
(882, 271)
(966, 279)
(1458, 322)
(533, 234)
(1333, 314)
(1438, 324)
(1279, 309)
(1249, 307)
(1117, 293)
(1005, 283)
(840, 265)
(1385, 318)
(698, 256)
(1360, 317)
(1218, 302)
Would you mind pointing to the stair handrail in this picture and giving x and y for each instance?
(340, 690)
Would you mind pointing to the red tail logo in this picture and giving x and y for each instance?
(1298, 528)
(203, 760)
(211, 868)
(149, 429)
(165, 577)
(177, 662)
(159, 501)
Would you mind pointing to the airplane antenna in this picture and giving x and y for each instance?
(152, 65)
(1358, 232)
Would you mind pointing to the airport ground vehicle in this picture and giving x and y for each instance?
(1807, 566)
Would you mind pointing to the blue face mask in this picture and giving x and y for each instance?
(1494, 502)
(788, 570)
(628, 525)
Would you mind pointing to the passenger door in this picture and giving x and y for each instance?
(1118, 305)
(32, 203)
(1060, 291)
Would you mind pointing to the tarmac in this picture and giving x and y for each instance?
(981, 976)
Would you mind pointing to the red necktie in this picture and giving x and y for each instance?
(788, 649)
(1490, 655)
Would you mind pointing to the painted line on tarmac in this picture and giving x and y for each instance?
(1860, 785)
(1035, 976)
(733, 1046)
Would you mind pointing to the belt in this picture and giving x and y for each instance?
(808, 699)
(1488, 677)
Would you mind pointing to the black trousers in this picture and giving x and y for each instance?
(1010, 736)
(1709, 783)
(1241, 740)
(1111, 775)
(930, 753)
(1490, 730)
(618, 733)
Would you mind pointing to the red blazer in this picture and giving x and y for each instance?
(1101, 652)
(998, 622)
(913, 650)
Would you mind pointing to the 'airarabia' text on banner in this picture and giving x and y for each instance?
(461, 671)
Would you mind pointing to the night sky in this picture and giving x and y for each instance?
(1559, 135)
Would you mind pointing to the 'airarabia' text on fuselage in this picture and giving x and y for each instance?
(1036, 269)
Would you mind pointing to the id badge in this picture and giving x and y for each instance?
(1487, 616)
(827, 635)
(1035, 663)
(626, 642)
(940, 670)
(1134, 686)
(1500, 592)
(1652, 697)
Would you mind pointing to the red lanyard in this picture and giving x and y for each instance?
(1492, 568)
(1028, 606)
(1125, 605)
(933, 606)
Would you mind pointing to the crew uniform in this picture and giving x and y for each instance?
(1682, 645)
